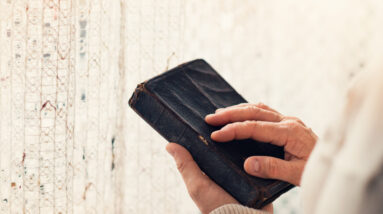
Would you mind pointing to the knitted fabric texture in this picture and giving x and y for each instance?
(236, 209)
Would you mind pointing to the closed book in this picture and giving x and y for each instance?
(175, 104)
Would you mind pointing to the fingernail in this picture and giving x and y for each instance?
(218, 110)
(255, 166)
(214, 133)
(209, 115)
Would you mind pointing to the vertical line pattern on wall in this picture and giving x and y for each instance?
(68, 142)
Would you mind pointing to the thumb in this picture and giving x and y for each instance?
(275, 168)
(188, 168)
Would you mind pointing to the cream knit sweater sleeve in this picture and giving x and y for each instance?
(344, 173)
(236, 209)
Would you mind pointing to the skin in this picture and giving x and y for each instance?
(245, 121)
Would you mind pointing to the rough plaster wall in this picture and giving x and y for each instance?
(67, 69)
(58, 115)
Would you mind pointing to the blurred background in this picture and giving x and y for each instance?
(69, 143)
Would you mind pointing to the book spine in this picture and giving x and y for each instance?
(173, 129)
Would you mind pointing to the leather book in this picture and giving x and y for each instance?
(175, 104)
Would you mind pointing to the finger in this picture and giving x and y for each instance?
(242, 114)
(274, 133)
(233, 106)
(266, 107)
(259, 105)
(275, 168)
(294, 119)
(188, 168)
(295, 138)
(268, 208)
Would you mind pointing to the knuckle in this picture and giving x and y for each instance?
(249, 124)
(241, 105)
(297, 120)
(270, 167)
(294, 126)
(246, 123)
(239, 127)
(313, 135)
(227, 113)
(261, 105)
(197, 188)
(194, 192)
(294, 119)
(182, 165)
(253, 109)
(232, 126)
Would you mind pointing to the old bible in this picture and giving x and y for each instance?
(175, 104)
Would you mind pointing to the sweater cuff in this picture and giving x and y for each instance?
(236, 209)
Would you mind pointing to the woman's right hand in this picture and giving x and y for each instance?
(262, 123)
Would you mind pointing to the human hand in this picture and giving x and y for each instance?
(206, 194)
(262, 123)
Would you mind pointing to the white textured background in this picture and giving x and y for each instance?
(69, 142)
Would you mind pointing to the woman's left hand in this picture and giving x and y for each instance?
(206, 194)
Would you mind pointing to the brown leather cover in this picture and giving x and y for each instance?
(175, 104)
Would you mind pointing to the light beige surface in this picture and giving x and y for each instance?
(68, 140)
